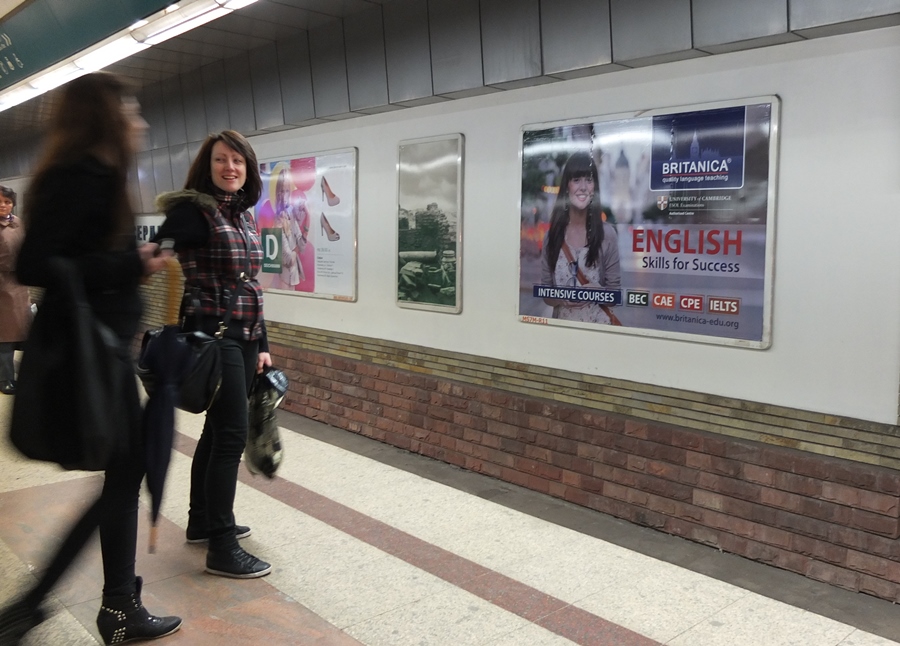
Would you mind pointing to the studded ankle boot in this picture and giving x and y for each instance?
(123, 618)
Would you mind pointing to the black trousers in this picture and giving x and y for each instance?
(214, 469)
(115, 511)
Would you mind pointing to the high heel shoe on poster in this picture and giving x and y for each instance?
(327, 194)
(330, 233)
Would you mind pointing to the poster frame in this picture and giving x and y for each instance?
(460, 174)
(771, 196)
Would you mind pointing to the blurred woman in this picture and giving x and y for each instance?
(581, 249)
(15, 309)
(78, 208)
(220, 252)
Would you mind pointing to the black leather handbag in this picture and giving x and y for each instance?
(199, 384)
(69, 407)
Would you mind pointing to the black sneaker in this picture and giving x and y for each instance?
(194, 535)
(236, 563)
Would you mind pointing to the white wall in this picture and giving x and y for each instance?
(836, 315)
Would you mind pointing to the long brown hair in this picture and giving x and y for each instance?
(580, 164)
(89, 121)
(199, 177)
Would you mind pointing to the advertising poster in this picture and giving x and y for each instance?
(660, 224)
(306, 217)
(429, 224)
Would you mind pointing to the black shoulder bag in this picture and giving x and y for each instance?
(69, 406)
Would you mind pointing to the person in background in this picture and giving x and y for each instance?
(78, 208)
(213, 233)
(580, 241)
(15, 308)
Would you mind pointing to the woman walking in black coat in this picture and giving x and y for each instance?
(78, 208)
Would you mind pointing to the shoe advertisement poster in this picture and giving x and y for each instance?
(657, 224)
(429, 224)
(306, 217)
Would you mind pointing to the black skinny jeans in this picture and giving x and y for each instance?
(115, 512)
(214, 470)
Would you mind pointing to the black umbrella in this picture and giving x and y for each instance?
(169, 357)
(165, 358)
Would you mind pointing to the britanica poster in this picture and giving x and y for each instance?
(656, 224)
(306, 218)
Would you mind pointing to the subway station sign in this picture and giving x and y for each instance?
(45, 32)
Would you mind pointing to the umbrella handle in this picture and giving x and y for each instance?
(173, 289)
(154, 536)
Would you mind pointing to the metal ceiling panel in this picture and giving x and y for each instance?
(366, 66)
(510, 40)
(568, 45)
(455, 30)
(329, 70)
(407, 50)
(266, 87)
(296, 79)
(173, 107)
(194, 108)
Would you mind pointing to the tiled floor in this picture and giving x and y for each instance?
(371, 545)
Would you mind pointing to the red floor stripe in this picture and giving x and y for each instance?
(542, 609)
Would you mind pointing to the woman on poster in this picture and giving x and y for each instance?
(581, 249)
(294, 222)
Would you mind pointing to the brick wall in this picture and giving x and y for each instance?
(830, 519)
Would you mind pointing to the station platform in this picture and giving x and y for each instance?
(376, 546)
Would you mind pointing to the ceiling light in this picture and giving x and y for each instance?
(19, 95)
(235, 4)
(116, 49)
(53, 78)
(177, 21)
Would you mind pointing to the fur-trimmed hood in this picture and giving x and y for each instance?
(165, 201)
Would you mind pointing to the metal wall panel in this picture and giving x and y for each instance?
(214, 97)
(827, 17)
(510, 40)
(193, 150)
(146, 182)
(329, 70)
(366, 65)
(728, 25)
(173, 108)
(266, 87)
(407, 49)
(134, 189)
(296, 79)
(645, 32)
(180, 160)
(239, 90)
(455, 30)
(194, 109)
(162, 170)
(575, 34)
(154, 114)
